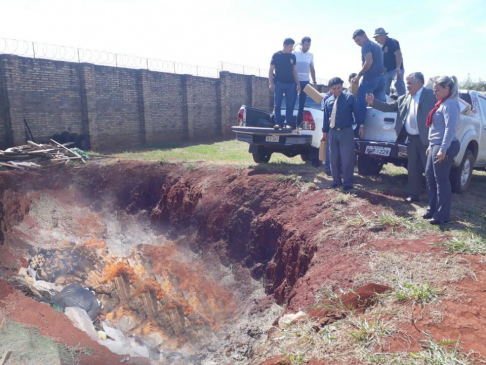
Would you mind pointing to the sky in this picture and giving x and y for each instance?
(436, 37)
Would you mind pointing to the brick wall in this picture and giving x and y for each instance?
(118, 107)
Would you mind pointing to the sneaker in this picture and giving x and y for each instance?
(428, 215)
(286, 126)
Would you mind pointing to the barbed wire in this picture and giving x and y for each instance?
(105, 58)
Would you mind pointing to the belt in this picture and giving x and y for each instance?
(340, 128)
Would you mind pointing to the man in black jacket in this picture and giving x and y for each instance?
(413, 109)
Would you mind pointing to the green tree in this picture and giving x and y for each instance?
(470, 84)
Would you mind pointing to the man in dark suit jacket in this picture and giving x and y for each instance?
(413, 109)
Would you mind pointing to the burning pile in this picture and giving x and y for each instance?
(151, 294)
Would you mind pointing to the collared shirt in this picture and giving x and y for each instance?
(346, 114)
(324, 99)
(414, 102)
(389, 59)
(304, 62)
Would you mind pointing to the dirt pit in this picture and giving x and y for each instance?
(197, 265)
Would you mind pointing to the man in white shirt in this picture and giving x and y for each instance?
(413, 109)
(305, 65)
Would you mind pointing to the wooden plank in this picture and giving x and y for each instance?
(70, 151)
(12, 166)
(34, 144)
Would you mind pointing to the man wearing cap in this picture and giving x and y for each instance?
(340, 113)
(371, 72)
(305, 65)
(393, 61)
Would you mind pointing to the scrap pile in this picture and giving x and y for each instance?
(33, 156)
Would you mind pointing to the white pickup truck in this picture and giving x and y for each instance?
(378, 146)
(255, 127)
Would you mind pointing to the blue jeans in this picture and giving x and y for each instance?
(399, 83)
(375, 86)
(302, 99)
(290, 90)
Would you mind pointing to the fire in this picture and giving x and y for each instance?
(121, 268)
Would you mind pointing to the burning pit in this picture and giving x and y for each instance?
(168, 292)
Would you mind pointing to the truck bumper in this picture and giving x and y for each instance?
(381, 150)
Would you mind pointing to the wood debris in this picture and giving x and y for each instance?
(38, 157)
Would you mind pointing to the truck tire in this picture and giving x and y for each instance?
(368, 165)
(305, 156)
(262, 155)
(460, 176)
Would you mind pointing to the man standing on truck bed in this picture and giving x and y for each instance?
(339, 116)
(413, 110)
(305, 65)
(372, 71)
(393, 61)
(286, 82)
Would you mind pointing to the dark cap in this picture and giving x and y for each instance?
(380, 31)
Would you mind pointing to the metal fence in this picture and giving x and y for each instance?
(82, 55)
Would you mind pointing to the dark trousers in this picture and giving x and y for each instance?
(343, 156)
(417, 160)
(290, 90)
(438, 183)
(302, 99)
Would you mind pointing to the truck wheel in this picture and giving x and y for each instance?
(460, 176)
(261, 155)
(368, 165)
(305, 156)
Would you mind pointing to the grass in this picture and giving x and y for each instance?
(371, 333)
(416, 293)
(31, 348)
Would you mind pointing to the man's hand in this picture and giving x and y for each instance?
(271, 87)
(399, 74)
(428, 151)
(440, 156)
(355, 80)
(314, 85)
(324, 137)
(361, 132)
(298, 88)
(370, 99)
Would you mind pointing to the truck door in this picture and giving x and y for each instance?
(482, 140)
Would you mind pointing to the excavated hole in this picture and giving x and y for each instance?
(181, 305)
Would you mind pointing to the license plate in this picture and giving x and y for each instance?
(376, 150)
(272, 138)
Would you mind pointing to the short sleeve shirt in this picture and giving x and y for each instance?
(284, 66)
(377, 67)
(389, 48)
(304, 61)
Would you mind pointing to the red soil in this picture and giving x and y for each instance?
(253, 218)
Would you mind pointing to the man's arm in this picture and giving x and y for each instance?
(366, 66)
(271, 85)
(382, 106)
(399, 59)
(296, 79)
(325, 124)
(313, 73)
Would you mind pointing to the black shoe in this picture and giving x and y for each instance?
(347, 189)
(334, 185)
(276, 126)
(435, 222)
(328, 173)
(412, 199)
(428, 215)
